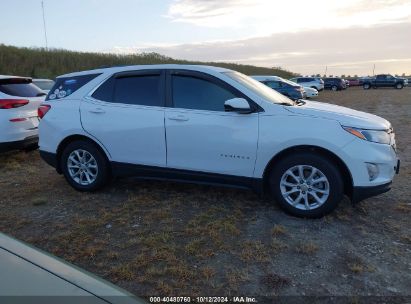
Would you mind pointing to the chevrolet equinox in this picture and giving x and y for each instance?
(212, 125)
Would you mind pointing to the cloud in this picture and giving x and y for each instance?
(286, 16)
(353, 50)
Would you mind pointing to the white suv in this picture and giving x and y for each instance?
(19, 100)
(311, 82)
(212, 125)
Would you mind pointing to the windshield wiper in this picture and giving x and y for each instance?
(286, 104)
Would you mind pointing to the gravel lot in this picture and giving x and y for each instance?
(158, 238)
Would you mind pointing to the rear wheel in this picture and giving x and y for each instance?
(399, 86)
(84, 166)
(334, 88)
(306, 185)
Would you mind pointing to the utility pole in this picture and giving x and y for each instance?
(326, 68)
(373, 70)
(44, 25)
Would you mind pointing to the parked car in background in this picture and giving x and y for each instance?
(347, 83)
(312, 82)
(354, 82)
(19, 100)
(334, 83)
(222, 127)
(44, 84)
(29, 274)
(283, 86)
(385, 80)
(310, 92)
(364, 79)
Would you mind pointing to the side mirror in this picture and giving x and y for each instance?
(239, 105)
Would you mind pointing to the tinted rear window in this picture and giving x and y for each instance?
(139, 90)
(19, 87)
(66, 86)
(135, 89)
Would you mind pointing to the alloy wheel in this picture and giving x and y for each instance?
(82, 167)
(304, 187)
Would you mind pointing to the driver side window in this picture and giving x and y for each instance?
(190, 92)
(274, 84)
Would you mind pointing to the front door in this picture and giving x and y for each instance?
(201, 135)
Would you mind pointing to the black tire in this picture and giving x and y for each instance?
(103, 173)
(334, 88)
(366, 86)
(399, 86)
(326, 166)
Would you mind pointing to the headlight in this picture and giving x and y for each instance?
(381, 137)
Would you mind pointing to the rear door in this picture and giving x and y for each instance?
(126, 114)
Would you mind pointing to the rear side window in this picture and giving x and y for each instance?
(144, 89)
(199, 94)
(21, 87)
(138, 90)
(66, 86)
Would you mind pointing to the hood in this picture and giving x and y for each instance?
(345, 116)
(308, 89)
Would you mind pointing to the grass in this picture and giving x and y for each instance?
(42, 63)
(308, 248)
(278, 230)
(38, 201)
(254, 251)
(275, 281)
(122, 273)
(357, 265)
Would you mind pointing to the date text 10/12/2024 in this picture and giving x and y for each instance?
(202, 300)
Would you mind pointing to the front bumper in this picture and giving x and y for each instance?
(29, 143)
(362, 193)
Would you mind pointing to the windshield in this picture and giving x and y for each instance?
(291, 83)
(259, 89)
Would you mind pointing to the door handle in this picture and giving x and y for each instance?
(97, 111)
(179, 118)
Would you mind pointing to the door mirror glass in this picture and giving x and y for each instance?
(239, 105)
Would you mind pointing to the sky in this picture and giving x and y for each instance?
(304, 36)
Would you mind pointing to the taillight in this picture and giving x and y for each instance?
(42, 110)
(12, 103)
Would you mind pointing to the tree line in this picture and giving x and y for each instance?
(49, 63)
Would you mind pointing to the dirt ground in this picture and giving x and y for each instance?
(160, 238)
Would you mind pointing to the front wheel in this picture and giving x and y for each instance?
(306, 185)
(334, 88)
(84, 166)
(399, 86)
(366, 86)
